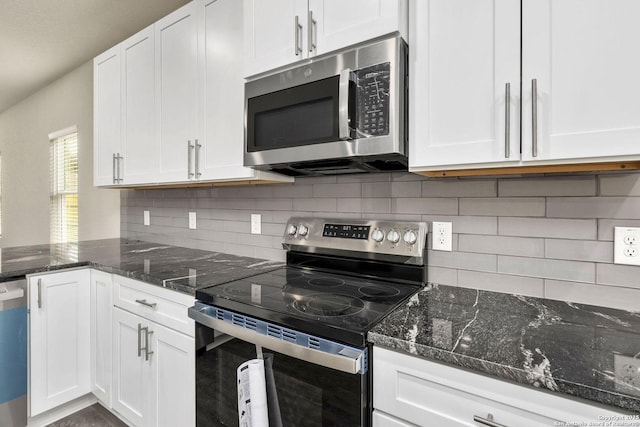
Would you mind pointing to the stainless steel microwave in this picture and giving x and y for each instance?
(342, 113)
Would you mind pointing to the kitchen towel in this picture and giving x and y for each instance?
(252, 394)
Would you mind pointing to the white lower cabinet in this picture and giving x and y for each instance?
(153, 365)
(59, 339)
(101, 309)
(411, 391)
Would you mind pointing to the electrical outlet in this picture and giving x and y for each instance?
(256, 224)
(626, 370)
(147, 219)
(626, 245)
(192, 220)
(441, 236)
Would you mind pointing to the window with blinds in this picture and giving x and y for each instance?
(64, 186)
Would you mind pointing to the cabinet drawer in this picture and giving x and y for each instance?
(166, 307)
(433, 394)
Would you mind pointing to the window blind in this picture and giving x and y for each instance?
(64, 188)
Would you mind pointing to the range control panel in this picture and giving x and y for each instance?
(400, 238)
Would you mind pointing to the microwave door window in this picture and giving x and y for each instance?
(298, 116)
(301, 124)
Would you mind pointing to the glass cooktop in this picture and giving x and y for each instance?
(333, 306)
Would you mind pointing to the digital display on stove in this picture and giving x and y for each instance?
(346, 231)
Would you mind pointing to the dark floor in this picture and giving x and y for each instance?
(92, 416)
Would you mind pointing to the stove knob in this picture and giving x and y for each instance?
(303, 230)
(393, 236)
(291, 230)
(377, 235)
(410, 237)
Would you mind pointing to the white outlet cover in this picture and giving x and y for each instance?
(192, 220)
(256, 224)
(626, 245)
(441, 236)
(147, 219)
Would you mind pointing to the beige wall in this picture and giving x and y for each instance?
(24, 146)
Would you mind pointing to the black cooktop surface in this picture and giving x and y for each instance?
(333, 306)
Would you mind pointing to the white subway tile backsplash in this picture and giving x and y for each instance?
(528, 286)
(533, 235)
(547, 268)
(620, 185)
(548, 227)
(425, 206)
(503, 206)
(459, 188)
(584, 293)
(547, 186)
(593, 207)
(503, 245)
(579, 250)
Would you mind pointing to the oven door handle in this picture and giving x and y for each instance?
(345, 362)
(344, 98)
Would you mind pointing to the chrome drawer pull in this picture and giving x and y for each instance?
(148, 304)
(487, 421)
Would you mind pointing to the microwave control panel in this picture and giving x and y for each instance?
(374, 85)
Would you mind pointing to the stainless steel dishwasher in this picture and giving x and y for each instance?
(13, 353)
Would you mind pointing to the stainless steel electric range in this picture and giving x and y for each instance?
(342, 277)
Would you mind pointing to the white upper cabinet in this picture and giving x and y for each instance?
(274, 33)
(583, 56)
(281, 32)
(136, 165)
(176, 68)
(219, 151)
(465, 82)
(169, 102)
(579, 85)
(106, 123)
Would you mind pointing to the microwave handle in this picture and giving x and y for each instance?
(343, 104)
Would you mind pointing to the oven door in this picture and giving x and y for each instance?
(308, 394)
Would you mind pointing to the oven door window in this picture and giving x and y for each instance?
(309, 395)
(298, 116)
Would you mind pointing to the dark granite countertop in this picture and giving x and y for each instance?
(173, 267)
(558, 346)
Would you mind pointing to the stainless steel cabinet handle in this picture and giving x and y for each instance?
(139, 339)
(297, 29)
(534, 117)
(39, 293)
(197, 164)
(148, 304)
(312, 28)
(114, 168)
(507, 120)
(189, 148)
(147, 353)
(118, 168)
(487, 421)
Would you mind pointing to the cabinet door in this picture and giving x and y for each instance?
(59, 339)
(101, 308)
(131, 375)
(176, 73)
(222, 89)
(464, 54)
(335, 24)
(582, 54)
(172, 389)
(106, 115)
(138, 114)
(275, 34)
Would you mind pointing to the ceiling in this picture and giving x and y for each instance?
(42, 40)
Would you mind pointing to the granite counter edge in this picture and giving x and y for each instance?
(504, 372)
